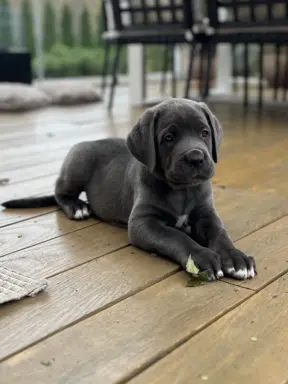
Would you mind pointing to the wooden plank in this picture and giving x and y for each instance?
(269, 246)
(77, 115)
(78, 293)
(68, 251)
(248, 219)
(244, 212)
(8, 217)
(261, 165)
(38, 230)
(225, 353)
(271, 239)
(14, 158)
(115, 343)
(42, 186)
(51, 132)
(32, 172)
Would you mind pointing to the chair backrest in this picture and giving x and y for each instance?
(247, 13)
(142, 14)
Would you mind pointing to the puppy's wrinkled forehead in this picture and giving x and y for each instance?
(183, 113)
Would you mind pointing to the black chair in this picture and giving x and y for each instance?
(250, 22)
(163, 22)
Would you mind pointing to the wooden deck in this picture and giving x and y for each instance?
(115, 314)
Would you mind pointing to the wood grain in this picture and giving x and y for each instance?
(65, 252)
(244, 212)
(55, 133)
(16, 158)
(82, 291)
(256, 168)
(225, 353)
(121, 338)
(39, 187)
(32, 172)
(8, 217)
(269, 246)
(113, 344)
(42, 186)
(30, 232)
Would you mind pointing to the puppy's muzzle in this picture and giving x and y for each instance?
(194, 157)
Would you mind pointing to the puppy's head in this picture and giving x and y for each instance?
(177, 140)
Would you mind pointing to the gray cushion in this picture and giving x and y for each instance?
(20, 97)
(70, 93)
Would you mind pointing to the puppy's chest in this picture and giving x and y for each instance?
(181, 206)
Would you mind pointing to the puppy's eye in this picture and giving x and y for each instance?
(169, 137)
(205, 133)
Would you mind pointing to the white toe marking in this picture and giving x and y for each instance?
(78, 214)
(241, 274)
(250, 273)
(86, 212)
(220, 274)
(230, 271)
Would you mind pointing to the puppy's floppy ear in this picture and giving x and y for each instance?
(216, 130)
(141, 140)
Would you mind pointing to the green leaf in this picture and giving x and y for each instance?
(203, 276)
(254, 339)
(191, 267)
(197, 280)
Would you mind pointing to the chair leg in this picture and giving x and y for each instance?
(105, 69)
(209, 56)
(234, 71)
(201, 71)
(144, 75)
(164, 70)
(260, 91)
(285, 77)
(114, 75)
(190, 69)
(277, 70)
(173, 74)
(246, 74)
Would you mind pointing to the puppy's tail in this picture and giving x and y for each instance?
(31, 202)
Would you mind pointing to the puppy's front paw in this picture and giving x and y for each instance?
(237, 265)
(206, 262)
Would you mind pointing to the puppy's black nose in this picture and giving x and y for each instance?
(194, 157)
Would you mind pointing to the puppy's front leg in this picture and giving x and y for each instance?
(151, 234)
(209, 230)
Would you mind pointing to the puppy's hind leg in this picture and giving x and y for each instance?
(67, 197)
(75, 174)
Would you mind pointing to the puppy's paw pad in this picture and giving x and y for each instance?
(241, 274)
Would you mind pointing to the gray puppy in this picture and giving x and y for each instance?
(158, 184)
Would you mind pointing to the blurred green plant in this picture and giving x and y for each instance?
(28, 26)
(85, 32)
(6, 39)
(50, 35)
(67, 26)
(64, 61)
